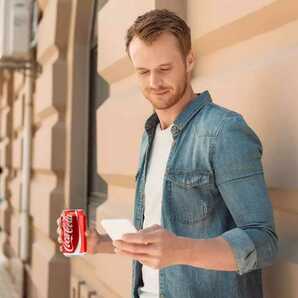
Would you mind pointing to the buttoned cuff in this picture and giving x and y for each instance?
(243, 249)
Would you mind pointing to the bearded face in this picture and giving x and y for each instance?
(161, 70)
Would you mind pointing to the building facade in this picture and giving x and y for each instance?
(77, 124)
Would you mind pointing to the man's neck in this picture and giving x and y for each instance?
(168, 116)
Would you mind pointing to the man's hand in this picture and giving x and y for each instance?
(153, 246)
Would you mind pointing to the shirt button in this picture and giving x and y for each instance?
(174, 129)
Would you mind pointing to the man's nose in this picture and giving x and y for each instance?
(155, 81)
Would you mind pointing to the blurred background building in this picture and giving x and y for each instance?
(71, 118)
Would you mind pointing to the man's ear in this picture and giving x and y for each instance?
(191, 60)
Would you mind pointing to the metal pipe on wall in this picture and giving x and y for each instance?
(26, 167)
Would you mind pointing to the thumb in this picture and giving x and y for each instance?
(150, 229)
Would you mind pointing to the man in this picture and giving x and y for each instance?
(204, 217)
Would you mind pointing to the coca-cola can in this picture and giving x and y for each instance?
(73, 229)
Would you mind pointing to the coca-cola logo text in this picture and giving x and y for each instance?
(68, 233)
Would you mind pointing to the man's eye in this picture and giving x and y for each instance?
(165, 69)
(142, 73)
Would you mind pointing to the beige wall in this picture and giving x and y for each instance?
(247, 59)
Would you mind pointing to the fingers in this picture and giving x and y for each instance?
(59, 232)
(138, 249)
(142, 238)
(150, 229)
(58, 221)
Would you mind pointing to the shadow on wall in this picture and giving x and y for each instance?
(100, 4)
(99, 93)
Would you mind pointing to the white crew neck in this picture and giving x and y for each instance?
(164, 130)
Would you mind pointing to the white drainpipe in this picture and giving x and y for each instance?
(27, 144)
(26, 167)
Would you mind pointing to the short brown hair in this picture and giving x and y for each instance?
(150, 25)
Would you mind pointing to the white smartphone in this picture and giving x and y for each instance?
(117, 227)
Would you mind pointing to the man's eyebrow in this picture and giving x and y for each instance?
(164, 64)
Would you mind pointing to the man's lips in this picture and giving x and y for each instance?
(160, 93)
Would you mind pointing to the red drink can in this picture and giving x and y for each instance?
(74, 223)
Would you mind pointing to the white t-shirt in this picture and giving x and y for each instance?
(153, 196)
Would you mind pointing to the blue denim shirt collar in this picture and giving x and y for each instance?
(184, 117)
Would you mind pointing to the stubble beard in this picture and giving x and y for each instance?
(167, 100)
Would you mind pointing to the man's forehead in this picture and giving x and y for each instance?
(163, 50)
(154, 57)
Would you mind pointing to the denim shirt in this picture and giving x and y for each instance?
(213, 186)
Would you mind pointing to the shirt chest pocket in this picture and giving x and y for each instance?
(190, 198)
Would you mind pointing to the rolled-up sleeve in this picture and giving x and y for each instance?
(240, 179)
